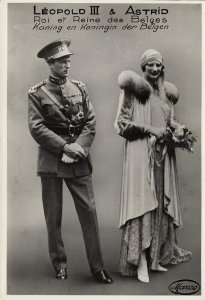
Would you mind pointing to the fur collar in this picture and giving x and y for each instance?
(131, 82)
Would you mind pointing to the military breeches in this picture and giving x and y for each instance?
(82, 192)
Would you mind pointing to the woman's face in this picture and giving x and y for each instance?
(153, 70)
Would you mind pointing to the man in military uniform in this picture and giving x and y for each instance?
(62, 122)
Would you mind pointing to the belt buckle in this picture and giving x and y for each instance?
(71, 130)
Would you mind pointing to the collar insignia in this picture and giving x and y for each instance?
(56, 80)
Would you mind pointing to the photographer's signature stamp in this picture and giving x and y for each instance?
(184, 287)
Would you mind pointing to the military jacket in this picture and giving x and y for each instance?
(52, 125)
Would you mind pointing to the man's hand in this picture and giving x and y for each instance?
(68, 160)
(74, 151)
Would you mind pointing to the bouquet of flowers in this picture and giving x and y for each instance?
(179, 136)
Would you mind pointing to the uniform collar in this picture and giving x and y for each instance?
(56, 80)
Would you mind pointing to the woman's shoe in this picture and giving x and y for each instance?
(160, 269)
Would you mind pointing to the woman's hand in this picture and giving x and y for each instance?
(159, 132)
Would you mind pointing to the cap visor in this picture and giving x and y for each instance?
(60, 54)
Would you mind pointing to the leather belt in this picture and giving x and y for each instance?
(70, 131)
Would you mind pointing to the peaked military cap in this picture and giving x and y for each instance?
(55, 50)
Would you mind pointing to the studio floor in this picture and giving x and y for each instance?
(29, 271)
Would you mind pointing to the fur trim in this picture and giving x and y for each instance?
(171, 91)
(132, 82)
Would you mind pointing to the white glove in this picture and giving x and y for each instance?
(68, 160)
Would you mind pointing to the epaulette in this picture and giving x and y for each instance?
(79, 83)
(34, 88)
(131, 82)
(81, 86)
(171, 91)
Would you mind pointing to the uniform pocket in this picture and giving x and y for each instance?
(51, 111)
(48, 108)
(76, 99)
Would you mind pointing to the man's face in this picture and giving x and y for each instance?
(60, 67)
(153, 70)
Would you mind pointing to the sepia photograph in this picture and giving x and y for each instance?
(104, 106)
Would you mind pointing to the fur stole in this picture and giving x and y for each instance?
(131, 82)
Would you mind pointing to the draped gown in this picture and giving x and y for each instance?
(155, 230)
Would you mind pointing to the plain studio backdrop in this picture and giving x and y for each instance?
(97, 61)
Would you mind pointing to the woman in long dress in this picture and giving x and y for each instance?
(149, 210)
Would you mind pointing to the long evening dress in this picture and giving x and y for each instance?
(155, 230)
